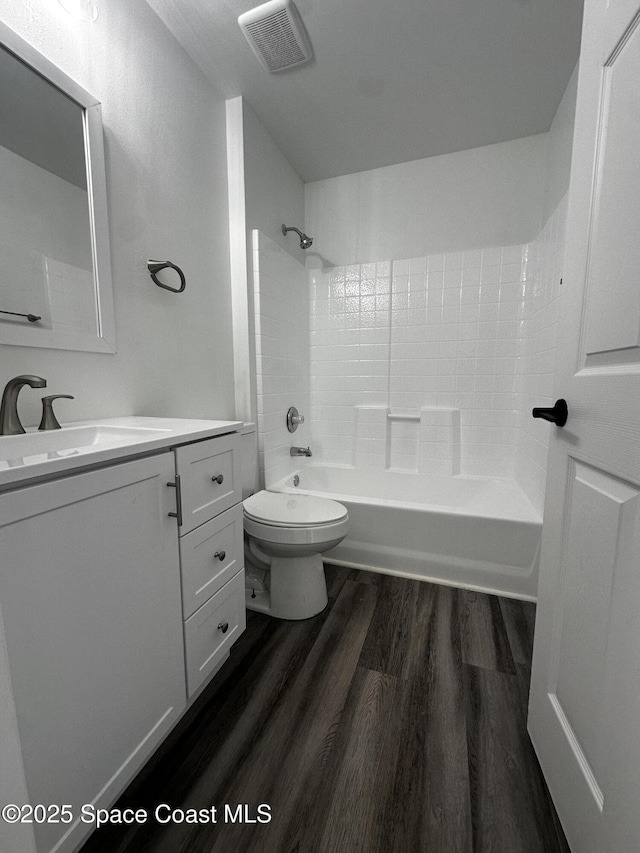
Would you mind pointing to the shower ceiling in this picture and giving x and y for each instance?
(392, 81)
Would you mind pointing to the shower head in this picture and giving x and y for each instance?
(305, 241)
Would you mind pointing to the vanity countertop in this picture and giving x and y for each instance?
(82, 444)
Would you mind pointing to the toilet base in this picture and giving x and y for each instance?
(297, 589)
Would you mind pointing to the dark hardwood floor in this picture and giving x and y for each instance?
(395, 721)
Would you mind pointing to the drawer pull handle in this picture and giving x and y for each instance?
(220, 555)
(218, 479)
(224, 627)
(178, 513)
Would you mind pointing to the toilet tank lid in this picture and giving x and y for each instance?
(289, 510)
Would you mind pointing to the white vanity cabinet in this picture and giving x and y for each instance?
(90, 598)
(98, 592)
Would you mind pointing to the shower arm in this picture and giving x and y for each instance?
(305, 240)
(293, 228)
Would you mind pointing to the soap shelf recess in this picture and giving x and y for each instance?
(155, 267)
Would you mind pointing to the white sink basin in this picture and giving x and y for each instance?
(70, 439)
(41, 454)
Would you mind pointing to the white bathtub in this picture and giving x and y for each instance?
(473, 532)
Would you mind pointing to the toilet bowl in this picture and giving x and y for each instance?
(285, 536)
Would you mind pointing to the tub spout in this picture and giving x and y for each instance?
(300, 451)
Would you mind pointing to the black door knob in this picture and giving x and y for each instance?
(557, 414)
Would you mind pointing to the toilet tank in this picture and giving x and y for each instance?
(249, 459)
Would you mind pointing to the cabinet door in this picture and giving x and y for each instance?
(210, 475)
(90, 596)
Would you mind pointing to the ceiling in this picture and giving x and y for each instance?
(392, 80)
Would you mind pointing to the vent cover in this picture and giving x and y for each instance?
(277, 35)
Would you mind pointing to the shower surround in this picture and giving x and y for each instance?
(417, 376)
(413, 362)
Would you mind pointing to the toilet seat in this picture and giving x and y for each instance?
(286, 510)
(294, 519)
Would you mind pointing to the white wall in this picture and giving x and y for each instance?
(282, 355)
(490, 196)
(167, 192)
(265, 192)
(559, 146)
(274, 190)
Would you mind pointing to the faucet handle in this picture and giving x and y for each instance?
(294, 419)
(49, 420)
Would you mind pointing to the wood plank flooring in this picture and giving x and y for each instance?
(393, 722)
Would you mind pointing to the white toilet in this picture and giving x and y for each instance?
(285, 536)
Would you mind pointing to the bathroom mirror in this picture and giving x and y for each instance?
(55, 265)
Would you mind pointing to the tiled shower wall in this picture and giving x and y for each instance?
(434, 364)
(536, 354)
(414, 362)
(428, 364)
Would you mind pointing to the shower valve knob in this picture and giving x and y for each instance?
(294, 419)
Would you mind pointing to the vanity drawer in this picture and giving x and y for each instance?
(207, 640)
(209, 477)
(210, 556)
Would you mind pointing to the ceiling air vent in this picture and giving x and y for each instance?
(277, 35)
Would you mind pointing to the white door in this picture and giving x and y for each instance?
(584, 715)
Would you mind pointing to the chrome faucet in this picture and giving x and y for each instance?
(9, 420)
(300, 451)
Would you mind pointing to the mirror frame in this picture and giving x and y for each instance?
(104, 340)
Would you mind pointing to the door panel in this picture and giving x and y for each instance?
(584, 713)
(600, 516)
(613, 325)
